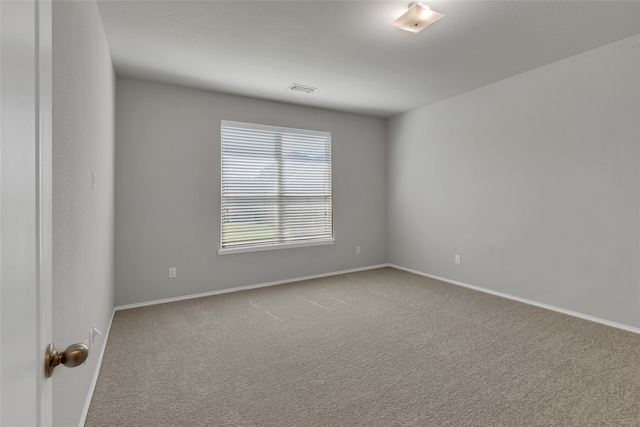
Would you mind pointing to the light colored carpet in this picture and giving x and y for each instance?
(374, 348)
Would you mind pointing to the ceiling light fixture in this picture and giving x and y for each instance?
(297, 87)
(417, 18)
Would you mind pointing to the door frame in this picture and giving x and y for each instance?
(26, 396)
(44, 97)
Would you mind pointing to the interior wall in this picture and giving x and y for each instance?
(168, 192)
(83, 218)
(533, 181)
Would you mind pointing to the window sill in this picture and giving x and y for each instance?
(276, 246)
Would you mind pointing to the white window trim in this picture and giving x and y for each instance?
(275, 246)
(279, 129)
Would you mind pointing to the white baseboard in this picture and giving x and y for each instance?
(244, 288)
(525, 301)
(94, 381)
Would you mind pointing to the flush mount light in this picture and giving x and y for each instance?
(302, 88)
(417, 18)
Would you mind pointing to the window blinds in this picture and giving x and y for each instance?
(276, 186)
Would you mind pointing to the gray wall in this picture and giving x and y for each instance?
(168, 192)
(533, 180)
(83, 219)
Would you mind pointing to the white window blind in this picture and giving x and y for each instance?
(276, 187)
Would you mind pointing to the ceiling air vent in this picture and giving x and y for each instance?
(302, 88)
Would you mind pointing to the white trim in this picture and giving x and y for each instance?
(240, 250)
(277, 129)
(525, 301)
(44, 180)
(244, 288)
(94, 381)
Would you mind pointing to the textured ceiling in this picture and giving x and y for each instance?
(349, 50)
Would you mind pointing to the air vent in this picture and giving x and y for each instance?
(302, 88)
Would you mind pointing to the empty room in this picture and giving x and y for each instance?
(320, 213)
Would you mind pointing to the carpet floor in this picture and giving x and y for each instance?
(375, 348)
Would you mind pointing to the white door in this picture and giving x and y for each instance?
(25, 211)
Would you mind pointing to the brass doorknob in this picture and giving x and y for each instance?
(72, 356)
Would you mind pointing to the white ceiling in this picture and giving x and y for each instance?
(349, 50)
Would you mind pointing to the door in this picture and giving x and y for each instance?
(25, 211)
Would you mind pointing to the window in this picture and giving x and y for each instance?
(276, 187)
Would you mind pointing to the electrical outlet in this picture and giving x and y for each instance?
(357, 250)
(457, 259)
(172, 273)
